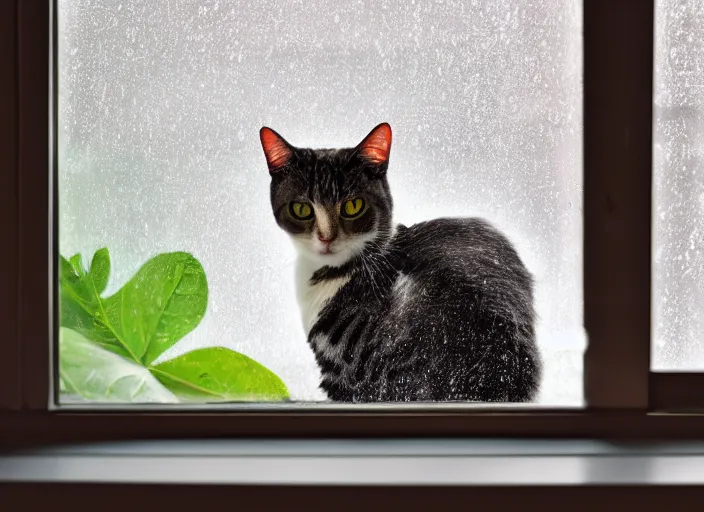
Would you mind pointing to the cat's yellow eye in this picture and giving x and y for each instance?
(352, 208)
(301, 211)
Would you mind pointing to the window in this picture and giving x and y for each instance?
(160, 108)
(678, 165)
(623, 397)
(677, 214)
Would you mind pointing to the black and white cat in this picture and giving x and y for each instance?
(438, 311)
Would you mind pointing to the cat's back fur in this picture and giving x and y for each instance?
(442, 312)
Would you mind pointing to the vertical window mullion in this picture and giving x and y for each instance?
(618, 71)
(10, 390)
(35, 255)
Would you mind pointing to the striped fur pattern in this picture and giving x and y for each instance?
(438, 311)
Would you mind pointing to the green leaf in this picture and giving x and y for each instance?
(80, 316)
(77, 264)
(80, 298)
(115, 349)
(100, 270)
(218, 374)
(66, 270)
(96, 374)
(162, 303)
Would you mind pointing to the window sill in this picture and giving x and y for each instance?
(362, 463)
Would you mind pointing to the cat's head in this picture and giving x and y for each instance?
(332, 202)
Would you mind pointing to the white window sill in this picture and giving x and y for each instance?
(364, 462)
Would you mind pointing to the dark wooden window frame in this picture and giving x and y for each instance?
(624, 399)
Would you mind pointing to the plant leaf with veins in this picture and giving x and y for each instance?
(99, 375)
(163, 302)
(216, 374)
(79, 296)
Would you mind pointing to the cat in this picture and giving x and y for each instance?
(437, 311)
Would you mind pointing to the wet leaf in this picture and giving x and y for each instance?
(219, 374)
(99, 375)
(163, 302)
(80, 296)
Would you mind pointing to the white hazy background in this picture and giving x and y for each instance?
(160, 104)
(678, 165)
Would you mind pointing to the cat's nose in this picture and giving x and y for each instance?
(324, 239)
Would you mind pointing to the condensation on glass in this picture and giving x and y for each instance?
(161, 102)
(678, 165)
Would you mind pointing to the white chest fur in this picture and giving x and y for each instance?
(312, 297)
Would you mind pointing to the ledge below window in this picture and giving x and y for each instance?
(362, 463)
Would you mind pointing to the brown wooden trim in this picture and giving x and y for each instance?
(677, 392)
(34, 200)
(618, 72)
(9, 342)
(42, 496)
(22, 428)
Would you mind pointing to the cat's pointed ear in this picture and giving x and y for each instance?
(278, 152)
(376, 146)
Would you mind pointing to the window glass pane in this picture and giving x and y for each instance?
(678, 165)
(162, 163)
